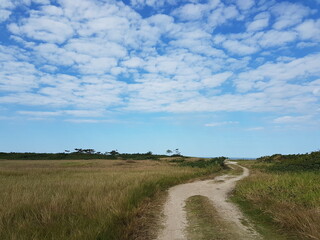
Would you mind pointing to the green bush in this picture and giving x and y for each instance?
(293, 162)
(202, 163)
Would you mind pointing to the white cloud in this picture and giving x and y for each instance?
(216, 124)
(134, 62)
(4, 15)
(84, 113)
(245, 4)
(43, 29)
(285, 59)
(255, 129)
(289, 14)
(96, 48)
(111, 26)
(17, 81)
(164, 23)
(216, 80)
(277, 38)
(112, 56)
(86, 9)
(41, 1)
(49, 68)
(98, 65)
(6, 7)
(52, 10)
(152, 3)
(238, 47)
(292, 119)
(6, 4)
(39, 113)
(314, 87)
(309, 29)
(270, 73)
(306, 44)
(259, 22)
(221, 15)
(53, 54)
(87, 121)
(190, 12)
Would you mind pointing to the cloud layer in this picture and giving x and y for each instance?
(70, 58)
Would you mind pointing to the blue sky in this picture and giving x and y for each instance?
(239, 78)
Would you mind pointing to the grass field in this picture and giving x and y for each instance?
(288, 199)
(80, 199)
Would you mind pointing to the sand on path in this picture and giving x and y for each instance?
(217, 191)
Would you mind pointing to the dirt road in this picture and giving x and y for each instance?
(217, 191)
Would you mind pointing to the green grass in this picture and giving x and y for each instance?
(287, 200)
(80, 199)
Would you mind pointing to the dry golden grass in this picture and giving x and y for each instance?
(291, 199)
(79, 199)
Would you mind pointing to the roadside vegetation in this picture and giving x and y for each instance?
(283, 191)
(82, 199)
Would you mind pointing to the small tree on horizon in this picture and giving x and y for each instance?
(78, 150)
(169, 152)
(89, 151)
(114, 153)
(177, 152)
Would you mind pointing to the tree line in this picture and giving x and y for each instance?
(85, 153)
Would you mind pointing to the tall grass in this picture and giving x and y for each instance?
(87, 199)
(291, 199)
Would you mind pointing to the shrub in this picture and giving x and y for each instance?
(293, 162)
(202, 163)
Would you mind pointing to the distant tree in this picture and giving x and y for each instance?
(89, 151)
(67, 151)
(78, 150)
(177, 152)
(169, 151)
(149, 153)
(114, 153)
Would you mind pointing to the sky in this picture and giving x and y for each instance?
(235, 78)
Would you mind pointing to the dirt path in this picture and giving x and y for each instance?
(217, 191)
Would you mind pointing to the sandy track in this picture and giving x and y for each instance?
(217, 191)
